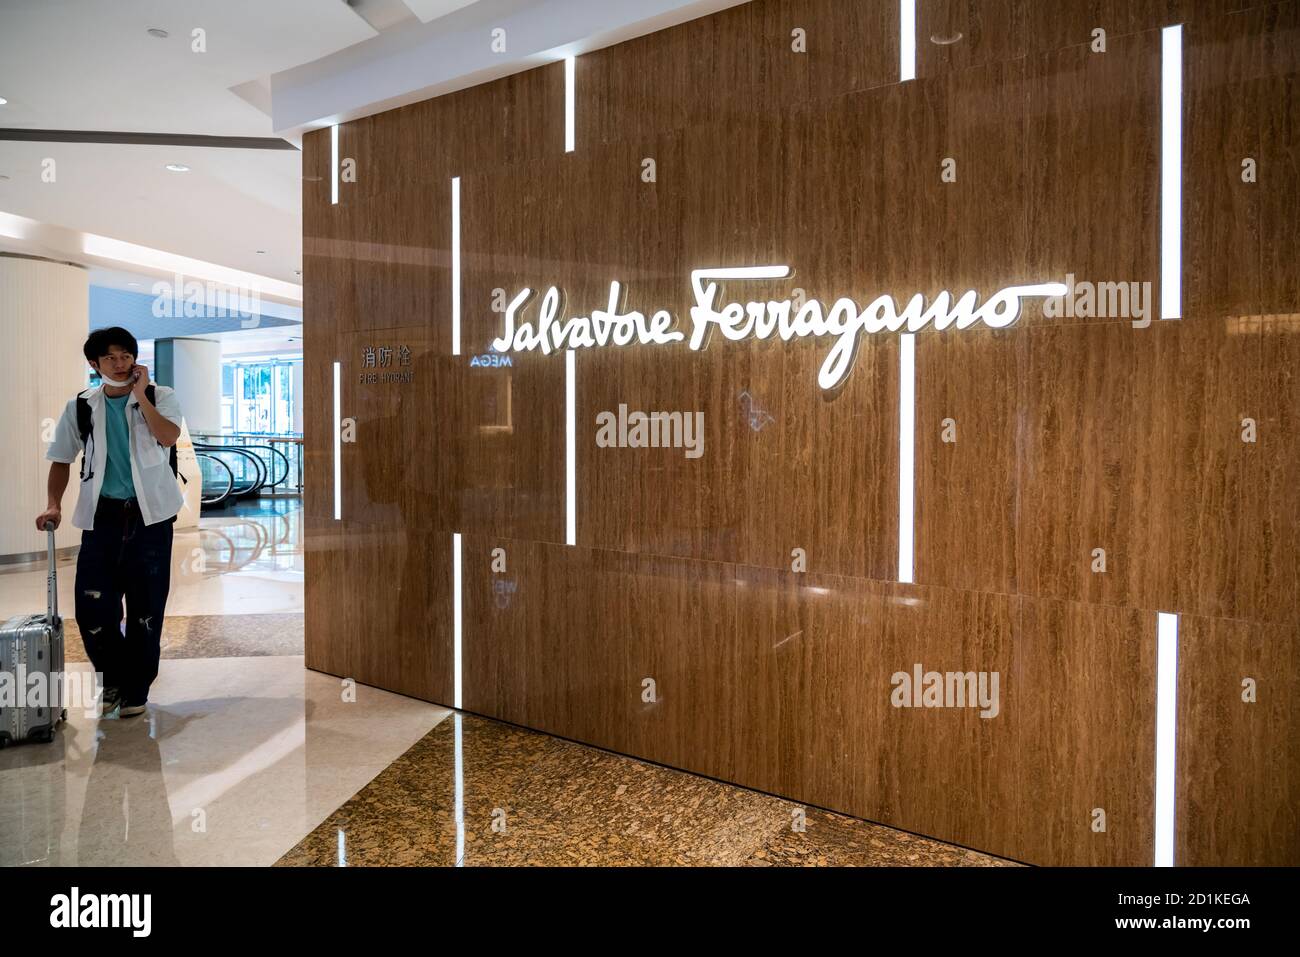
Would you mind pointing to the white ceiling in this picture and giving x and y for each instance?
(417, 61)
(231, 203)
(91, 65)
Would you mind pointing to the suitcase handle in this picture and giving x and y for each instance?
(51, 581)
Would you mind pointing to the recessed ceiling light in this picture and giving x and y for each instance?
(178, 167)
(945, 41)
(3, 101)
(133, 284)
(159, 33)
(261, 252)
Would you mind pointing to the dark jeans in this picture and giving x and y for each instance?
(123, 557)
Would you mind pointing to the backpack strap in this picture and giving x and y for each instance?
(85, 423)
(171, 458)
(85, 419)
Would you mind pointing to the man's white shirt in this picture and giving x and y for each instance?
(156, 489)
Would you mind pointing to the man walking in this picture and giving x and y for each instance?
(125, 430)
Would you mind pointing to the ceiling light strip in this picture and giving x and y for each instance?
(103, 247)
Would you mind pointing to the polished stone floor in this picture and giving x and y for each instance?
(245, 757)
(478, 792)
(235, 760)
(242, 751)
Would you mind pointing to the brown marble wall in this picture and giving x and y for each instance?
(1072, 433)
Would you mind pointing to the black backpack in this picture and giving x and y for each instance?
(85, 423)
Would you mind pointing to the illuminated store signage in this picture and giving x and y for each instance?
(844, 320)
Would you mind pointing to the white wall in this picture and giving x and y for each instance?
(45, 317)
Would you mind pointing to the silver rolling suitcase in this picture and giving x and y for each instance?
(31, 645)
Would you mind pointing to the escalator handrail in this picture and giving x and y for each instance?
(242, 440)
(259, 466)
(230, 482)
(276, 452)
(246, 484)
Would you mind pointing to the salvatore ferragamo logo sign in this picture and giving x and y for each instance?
(844, 321)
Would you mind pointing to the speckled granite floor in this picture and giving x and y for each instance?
(527, 798)
(213, 636)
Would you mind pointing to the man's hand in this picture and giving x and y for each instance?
(164, 430)
(54, 515)
(141, 374)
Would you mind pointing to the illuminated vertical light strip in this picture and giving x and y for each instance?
(460, 795)
(1171, 266)
(570, 452)
(334, 164)
(455, 265)
(568, 104)
(906, 451)
(338, 443)
(456, 612)
(906, 40)
(1171, 173)
(1166, 734)
(343, 850)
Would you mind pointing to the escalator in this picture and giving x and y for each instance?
(235, 472)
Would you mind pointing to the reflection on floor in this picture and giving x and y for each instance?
(245, 757)
(235, 760)
(242, 750)
(475, 791)
(244, 560)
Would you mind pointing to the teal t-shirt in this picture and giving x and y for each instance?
(117, 476)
